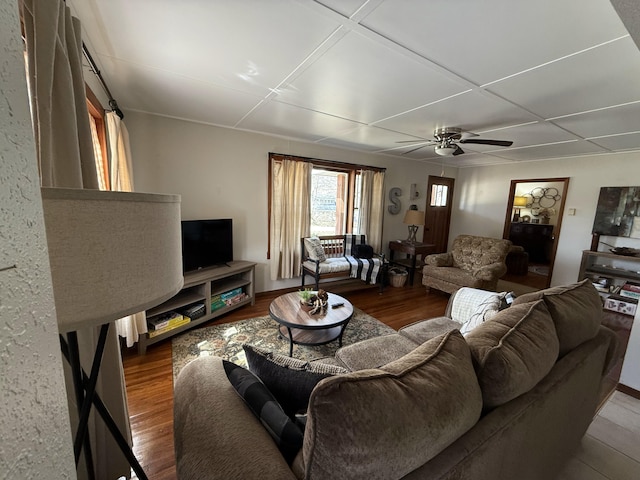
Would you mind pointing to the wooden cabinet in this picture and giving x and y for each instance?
(535, 238)
(203, 287)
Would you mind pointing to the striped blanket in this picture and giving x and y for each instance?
(367, 269)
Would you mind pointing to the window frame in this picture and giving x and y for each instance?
(352, 170)
(97, 112)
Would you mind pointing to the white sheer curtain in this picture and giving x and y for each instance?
(372, 207)
(119, 153)
(66, 159)
(290, 215)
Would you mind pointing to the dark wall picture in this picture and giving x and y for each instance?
(618, 212)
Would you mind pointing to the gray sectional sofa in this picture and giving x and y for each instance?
(510, 399)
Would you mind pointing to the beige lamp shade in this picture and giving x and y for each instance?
(413, 217)
(519, 201)
(111, 253)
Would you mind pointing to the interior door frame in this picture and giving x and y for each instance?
(556, 233)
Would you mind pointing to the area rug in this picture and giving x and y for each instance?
(226, 340)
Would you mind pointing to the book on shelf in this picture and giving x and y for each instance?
(165, 320)
(184, 320)
(227, 298)
(194, 311)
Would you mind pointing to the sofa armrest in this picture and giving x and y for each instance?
(215, 433)
(491, 271)
(439, 259)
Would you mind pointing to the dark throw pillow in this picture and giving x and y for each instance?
(362, 251)
(286, 434)
(289, 380)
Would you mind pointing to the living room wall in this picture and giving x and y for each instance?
(481, 200)
(34, 419)
(222, 173)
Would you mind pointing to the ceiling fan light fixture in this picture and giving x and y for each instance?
(446, 151)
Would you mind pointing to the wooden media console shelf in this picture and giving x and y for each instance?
(207, 287)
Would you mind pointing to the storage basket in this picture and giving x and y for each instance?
(397, 277)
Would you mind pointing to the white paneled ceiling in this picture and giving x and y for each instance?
(556, 77)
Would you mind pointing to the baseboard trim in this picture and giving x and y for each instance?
(632, 392)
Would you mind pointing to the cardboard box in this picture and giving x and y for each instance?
(624, 305)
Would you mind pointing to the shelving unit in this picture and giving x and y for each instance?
(199, 287)
(618, 268)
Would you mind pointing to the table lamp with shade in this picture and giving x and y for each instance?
(112, 254)
(413, 218)
(518, 203)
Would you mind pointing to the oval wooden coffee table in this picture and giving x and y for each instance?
(301, 328)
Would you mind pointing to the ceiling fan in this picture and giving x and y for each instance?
(447, 140)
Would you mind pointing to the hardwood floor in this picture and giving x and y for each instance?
(150, 383)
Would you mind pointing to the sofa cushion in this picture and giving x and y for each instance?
(424, 330)
(513, 351)
(384, 423)
(452, 275)
(576, 310)
(314, 249)
(289, 380)
(374, 352)
(330, 265)
(285, 433)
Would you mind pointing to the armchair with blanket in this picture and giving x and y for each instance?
(476, 262)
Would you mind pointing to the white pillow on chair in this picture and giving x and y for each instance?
(314, 249)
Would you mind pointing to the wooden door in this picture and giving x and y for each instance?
(437, 215)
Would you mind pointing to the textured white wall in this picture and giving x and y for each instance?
(34, 420)
(222, 173)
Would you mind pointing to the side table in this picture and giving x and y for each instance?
(411, 251)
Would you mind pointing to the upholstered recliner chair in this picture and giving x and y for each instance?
(476, 262)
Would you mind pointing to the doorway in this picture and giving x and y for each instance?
(533, 220)
(437, 216)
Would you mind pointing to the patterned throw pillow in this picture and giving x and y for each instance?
(314, 249)
(286, 434)
(290, 380)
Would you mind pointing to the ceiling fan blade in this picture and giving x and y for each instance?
(484, 141)
(414, 149)
(458, 151)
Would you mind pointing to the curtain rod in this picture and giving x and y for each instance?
(327, 163)
(94, 68)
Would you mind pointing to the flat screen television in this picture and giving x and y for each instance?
(206, 243)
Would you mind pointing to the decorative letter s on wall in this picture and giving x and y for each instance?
(394, 193)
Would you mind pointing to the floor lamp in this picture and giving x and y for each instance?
(112, 254)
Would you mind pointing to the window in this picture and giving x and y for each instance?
(335, 198)
(329, 200)
(439, 195)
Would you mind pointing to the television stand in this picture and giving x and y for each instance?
(209, 286)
